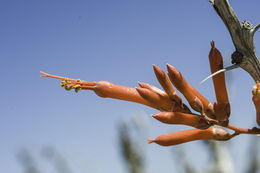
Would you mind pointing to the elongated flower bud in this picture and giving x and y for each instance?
(182, 118)
(222, 106)
(166, 84)
(110, 90)
(216, 63)
(184, 136)
(162, 103)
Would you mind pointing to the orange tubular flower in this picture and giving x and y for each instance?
(216, 63)
(103, 89)
(175, 111)
(107, 89)
(182, 118)
(191, 135)
(166, 84)
(256, 100)
(195, 99)
(222, 106)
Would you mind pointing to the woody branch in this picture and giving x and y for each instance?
(242, 34)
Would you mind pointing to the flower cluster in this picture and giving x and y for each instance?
(169, 102)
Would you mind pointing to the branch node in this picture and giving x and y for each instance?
(247, 25)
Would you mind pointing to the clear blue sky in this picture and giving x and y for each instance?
(111, 40)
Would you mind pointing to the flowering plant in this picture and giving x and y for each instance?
(169, 102)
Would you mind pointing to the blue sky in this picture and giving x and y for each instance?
(111, 40)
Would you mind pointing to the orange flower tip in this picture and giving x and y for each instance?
(169, 66)
(212, 43)
(154, 66)
(172, 69)
(155, 116)
(141, 84)
(143, 91)
(144, 85)
(44, 74)
(158, 71)
(150, 141)
(140, 89)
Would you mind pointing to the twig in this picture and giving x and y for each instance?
(237, 130)
(256, 28)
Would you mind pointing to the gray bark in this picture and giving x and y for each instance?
(242, 34)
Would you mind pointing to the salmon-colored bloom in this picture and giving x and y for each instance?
(173, 110)
(166, 84)
(180, 137)
(222, 106)
(182, 118)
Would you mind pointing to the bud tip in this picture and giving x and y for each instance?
(150, 141)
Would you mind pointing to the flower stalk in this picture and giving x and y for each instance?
(173, 110)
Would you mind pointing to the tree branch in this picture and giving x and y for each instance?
(242, 34)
